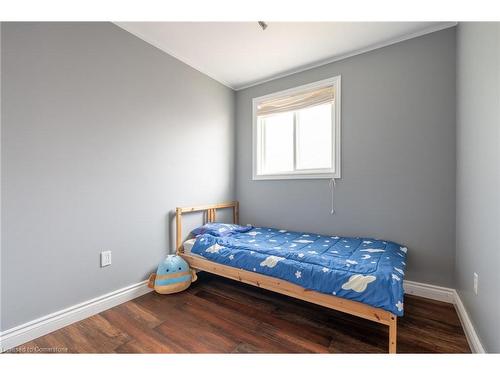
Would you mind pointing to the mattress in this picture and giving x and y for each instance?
(361, 269)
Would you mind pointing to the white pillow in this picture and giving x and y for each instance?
(188, 245)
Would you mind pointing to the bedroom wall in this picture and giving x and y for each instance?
(102, 136)
(478, 176)
(0, 176)
(398, 155)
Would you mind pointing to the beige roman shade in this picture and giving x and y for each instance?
(298, 100)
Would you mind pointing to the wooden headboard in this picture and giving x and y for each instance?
(211, 213)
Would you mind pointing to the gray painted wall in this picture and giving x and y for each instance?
(398, 155)
(102, 135)
(0, 175)
(478, 176)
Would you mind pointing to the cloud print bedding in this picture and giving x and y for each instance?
(360, 269)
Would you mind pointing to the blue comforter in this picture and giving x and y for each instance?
(360, 269)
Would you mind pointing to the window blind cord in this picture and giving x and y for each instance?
(332, 188)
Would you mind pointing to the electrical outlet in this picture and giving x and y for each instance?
(105, 258)
(476, 283)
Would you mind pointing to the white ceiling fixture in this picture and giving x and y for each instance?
(242, 54)
(262, 24)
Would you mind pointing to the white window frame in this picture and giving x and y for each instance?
(334, 172)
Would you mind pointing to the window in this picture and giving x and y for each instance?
(296, 132)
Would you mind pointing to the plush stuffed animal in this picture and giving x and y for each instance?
(173, 275)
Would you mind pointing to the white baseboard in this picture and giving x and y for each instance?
(448, 295)
(437, 293)
(52, 322)
(470, 331)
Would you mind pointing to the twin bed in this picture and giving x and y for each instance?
(358, 276)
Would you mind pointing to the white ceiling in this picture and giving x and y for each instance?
(241, 54)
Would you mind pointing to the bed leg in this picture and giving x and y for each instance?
(393, 333)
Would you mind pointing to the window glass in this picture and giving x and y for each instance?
(314, 137)
(278, 143)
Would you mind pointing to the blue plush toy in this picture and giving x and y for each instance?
(173, 275)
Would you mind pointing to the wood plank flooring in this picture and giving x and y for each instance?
(217, 315)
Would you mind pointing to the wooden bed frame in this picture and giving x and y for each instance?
(277, 285)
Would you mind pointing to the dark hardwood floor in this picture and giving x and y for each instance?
(217, 315)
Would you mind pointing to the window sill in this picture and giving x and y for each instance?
(315, 176)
